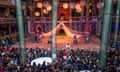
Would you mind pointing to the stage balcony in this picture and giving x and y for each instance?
(10, 20)
(48, 19)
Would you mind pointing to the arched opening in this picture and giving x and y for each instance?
(61, 32)
(38, 28)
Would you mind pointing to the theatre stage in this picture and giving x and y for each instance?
(61, 41)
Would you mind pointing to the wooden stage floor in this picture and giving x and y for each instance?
(61, 41)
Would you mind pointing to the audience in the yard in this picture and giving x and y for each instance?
(71, 61)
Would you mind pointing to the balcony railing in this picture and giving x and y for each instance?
(49, 19)
(9, 20)
(7, 2)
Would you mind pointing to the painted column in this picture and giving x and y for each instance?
(8, 15)
(86, 27)
(25, 17)
(99, 24)
(54, 22)
(105, 32)
(94, 7)
(70, 22)
(117, 24)
(20, 29)
(82, 2)
(70, 17)
(29, 27)
(31, 7)
(42, 19)
(100, 19)
(80, 26)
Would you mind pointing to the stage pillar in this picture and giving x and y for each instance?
(87, 25)
(54, 22)
(105, 32)
(117, 24)
(20, 29)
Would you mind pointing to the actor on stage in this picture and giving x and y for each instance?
(75, 40)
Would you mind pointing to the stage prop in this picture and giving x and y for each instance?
(68, 32)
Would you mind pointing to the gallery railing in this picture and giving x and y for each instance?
(49, 19)
(9, 20)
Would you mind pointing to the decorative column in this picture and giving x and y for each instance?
(25, 18)
(72, 5)
(42, 19)
(105, 32)
(94, 7)
(82, 3)
(31, 7)
(117, 24)
(9, 25)
(99, 5)
(43, 24)
(86, 27)
(80, 25)
(8, 15)
(54, 22)
(70, 17)
(99, 24)
(20, 29)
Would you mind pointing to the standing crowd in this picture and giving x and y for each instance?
(66, 61)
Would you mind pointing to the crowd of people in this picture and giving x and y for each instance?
(8, 41)
(66, 61)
